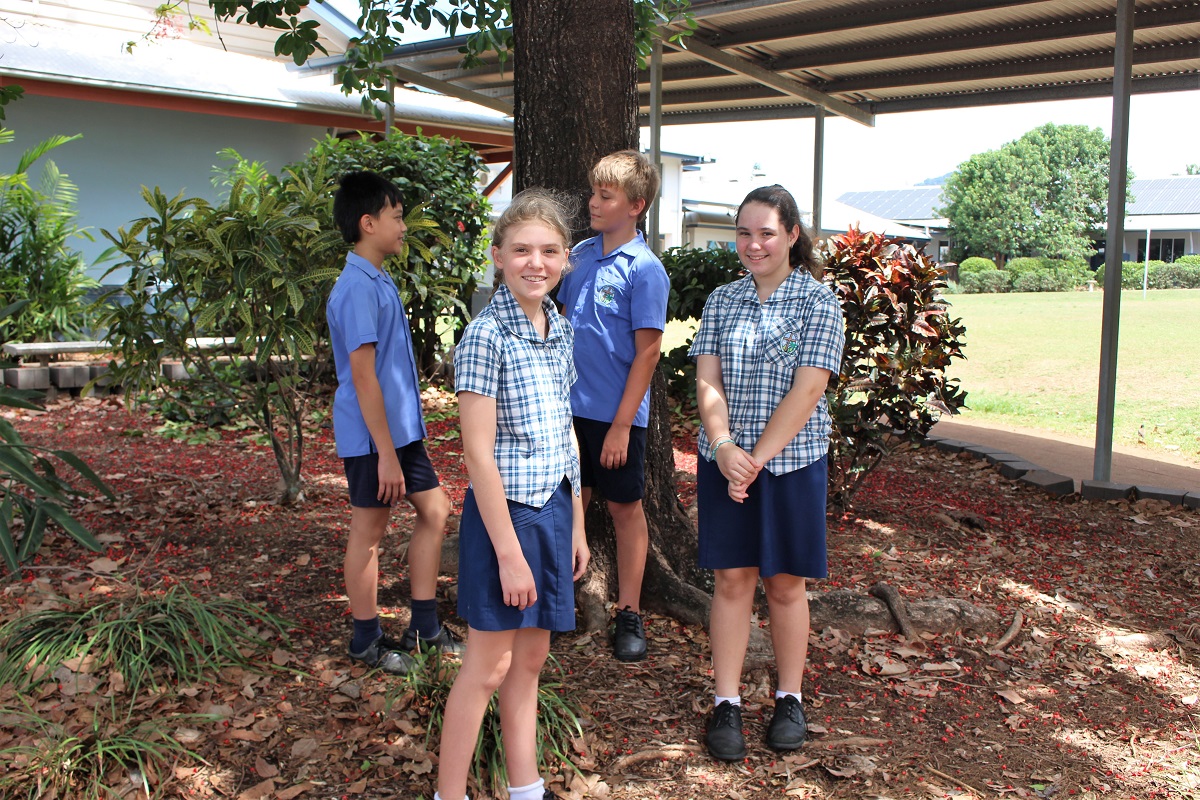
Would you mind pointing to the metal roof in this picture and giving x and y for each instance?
(1151, 196)
(767, 59)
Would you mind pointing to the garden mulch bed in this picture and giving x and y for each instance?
(1096, 697)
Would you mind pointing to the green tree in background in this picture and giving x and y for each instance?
(1043, 194)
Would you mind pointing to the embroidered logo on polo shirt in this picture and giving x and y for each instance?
(606, 296)
(789, 346)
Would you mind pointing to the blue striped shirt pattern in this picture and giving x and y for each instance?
(761, 345)
(501, 355)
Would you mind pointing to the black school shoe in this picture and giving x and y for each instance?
(444, 640)
(629, 636)
(788, 727)
(385, 654)
(723, 736)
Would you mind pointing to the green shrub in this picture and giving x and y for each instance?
(1023, 264)
(987, 282)
(37, 227)
(900, 338)
(1131, 273)
(694, 274)
(1177, 275)
(1043, 280)
(974, 264)
(1189, 259)
(440, 174)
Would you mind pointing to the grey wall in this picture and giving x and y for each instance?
(126, 147)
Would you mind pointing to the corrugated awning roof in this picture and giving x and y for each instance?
(768, 59)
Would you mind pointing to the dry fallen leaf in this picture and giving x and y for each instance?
(1011, 696)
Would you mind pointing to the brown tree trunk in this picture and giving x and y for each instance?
(575, 85)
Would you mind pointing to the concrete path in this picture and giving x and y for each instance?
(1076, 460)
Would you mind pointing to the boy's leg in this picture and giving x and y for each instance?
(518, 705)
(361, 566)
(484, 668)
(633, 541)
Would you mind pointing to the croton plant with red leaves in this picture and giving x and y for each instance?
(900, 338)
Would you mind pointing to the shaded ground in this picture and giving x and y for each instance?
(1096, 697)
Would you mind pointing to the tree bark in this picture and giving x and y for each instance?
(575, 85)
(575, 88)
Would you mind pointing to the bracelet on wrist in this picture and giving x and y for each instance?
(717, 446)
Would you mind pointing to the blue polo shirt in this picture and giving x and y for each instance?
(606, 297)
(364, 307)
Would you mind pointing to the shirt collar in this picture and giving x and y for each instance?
(793, 286)
(355, 260)
(630, 248)
(510, 314)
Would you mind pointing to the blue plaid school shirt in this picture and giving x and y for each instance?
(501, 355)
(761, 344)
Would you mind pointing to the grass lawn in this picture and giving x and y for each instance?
(1033, 361)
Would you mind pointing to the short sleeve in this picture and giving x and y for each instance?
(356, 315)
(651, 287)
(824, 334)
(706, 342)
(477, 360)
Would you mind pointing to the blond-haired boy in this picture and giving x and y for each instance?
(615, 298)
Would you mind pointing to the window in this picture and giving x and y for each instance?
(1161, 249)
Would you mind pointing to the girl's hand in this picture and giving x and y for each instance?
(736, 464)
(582, 555)
(738, 492)
(516, 582)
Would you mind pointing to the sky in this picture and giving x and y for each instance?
(905, 149)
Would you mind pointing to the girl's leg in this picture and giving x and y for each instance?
(787, 599)
(518, 705)
(729, 626)
(485, 665)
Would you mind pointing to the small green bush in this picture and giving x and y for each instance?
(1178, 275)
(1131, 273)
(694, 274)
(1189, 259)
(974, 264)
(1023, 264)
(1043, 280)
(988, 282)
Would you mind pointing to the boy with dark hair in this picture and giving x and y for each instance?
(615, 298)
(379, 426)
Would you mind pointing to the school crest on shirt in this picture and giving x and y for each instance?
(789, 345)
(606, 295)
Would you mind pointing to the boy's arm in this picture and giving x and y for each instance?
(477, 421)
(370, 402)
(647, 350)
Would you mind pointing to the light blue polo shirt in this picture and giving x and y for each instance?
(364, 307)
(606, 297)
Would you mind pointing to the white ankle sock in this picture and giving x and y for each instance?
(533, 791)
(437, 796)
(797, 695)
(736, 700)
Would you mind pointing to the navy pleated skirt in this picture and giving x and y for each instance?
(780, 528)
(545, 537)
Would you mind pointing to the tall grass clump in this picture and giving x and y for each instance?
(143, 636)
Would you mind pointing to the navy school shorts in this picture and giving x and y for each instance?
(780, 528)
(362, 474)
(624, 485)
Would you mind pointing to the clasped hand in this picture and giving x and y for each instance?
(739, 468)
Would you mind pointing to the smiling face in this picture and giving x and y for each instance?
(763, 244)
(530, 261)
(382, 234)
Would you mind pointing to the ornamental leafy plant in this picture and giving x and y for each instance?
(33, 493)
(37, 230)
(900, 339)
(252, 273)
(438, 278)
